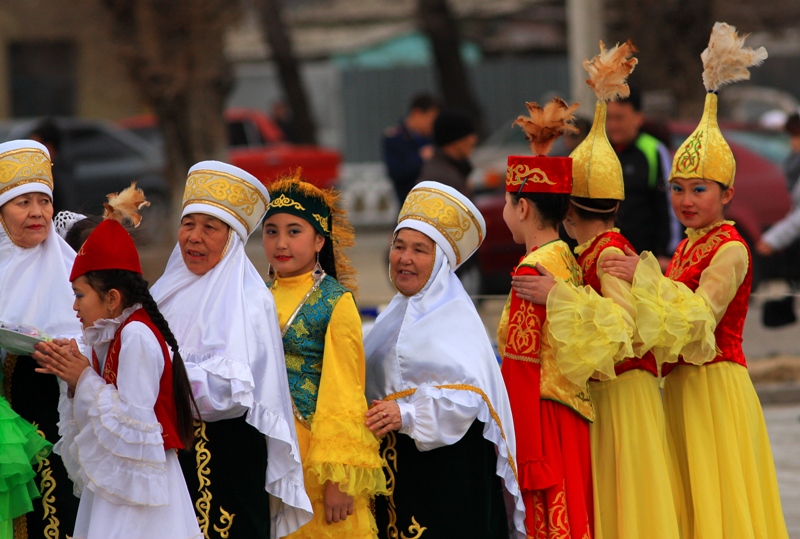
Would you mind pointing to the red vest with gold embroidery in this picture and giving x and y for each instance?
(588, 261)
(688, 267)
(165, 402)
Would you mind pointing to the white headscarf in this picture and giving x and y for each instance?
(226, 322)
(34, 282)
(436, 338)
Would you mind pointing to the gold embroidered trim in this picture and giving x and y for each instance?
(223, 187)
(203, 503)
(389, 454)
(517, 174)
(216, 205)
(24, 182)
(285, 202)
(458, 203)
(25, 162)
(323, 221)
(479, 391)
(697, 252)
(441, 230)
(534, 360)
(46, 488)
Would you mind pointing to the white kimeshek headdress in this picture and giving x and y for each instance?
(435, 340)
(34, 282)
(226, 323)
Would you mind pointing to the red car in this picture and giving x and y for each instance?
(257, 145)
(762, 198)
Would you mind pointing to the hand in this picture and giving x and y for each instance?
(621, 266)
(384, 416)
(338, 505)
(534, 288)
(764, 249)
(65, 361)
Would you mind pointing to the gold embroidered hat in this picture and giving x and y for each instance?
(596, 171)
(447, 217)
(705, 154)
(24, 168)
(228, 193)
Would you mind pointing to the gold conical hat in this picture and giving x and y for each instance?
(705, 154)
(596, 171)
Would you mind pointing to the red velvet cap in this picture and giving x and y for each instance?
(109, 246)
(539, 174)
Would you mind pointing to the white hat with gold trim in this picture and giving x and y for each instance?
(228, 193)
(447, 217)
(24, 168)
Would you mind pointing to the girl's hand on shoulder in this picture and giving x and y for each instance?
(65, 361)
(338, 505)
(621, 266)
(384, 416)
(534, 288)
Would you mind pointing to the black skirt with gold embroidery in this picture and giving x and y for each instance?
(225, 473)
(34, 397)
(451, 491)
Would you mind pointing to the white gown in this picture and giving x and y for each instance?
(111, 445)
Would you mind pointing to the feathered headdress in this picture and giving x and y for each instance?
(125, 205)
(705, 154)
(596, 172)
(544, 125)
(321, 208)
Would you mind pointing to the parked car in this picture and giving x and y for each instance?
(96, 158)
(257, 145)
(762, 198)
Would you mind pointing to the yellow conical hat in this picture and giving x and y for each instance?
(705, 154)
(596, 172)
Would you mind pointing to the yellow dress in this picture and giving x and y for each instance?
(338, 446)
(715, 426)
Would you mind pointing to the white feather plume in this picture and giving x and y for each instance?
(726, 60)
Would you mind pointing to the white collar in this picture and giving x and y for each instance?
(104, 329)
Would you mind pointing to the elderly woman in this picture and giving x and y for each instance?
(226, 325)
(34, 290)
(437, 390)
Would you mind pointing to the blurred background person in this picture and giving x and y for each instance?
(454, 139)
(644, 214)
(49, 134)
(282, 115)
(407, 145)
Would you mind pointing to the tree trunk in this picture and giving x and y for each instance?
(173, 50)
(280, 43)
(437, 22)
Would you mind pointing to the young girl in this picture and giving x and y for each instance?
(632, 472)
(304, 233)
(693, 321)
(21, 447)
(552, 410)
(128, 409)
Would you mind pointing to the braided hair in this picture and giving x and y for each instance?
(133, 289)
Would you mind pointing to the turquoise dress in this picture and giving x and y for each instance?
(21, 450)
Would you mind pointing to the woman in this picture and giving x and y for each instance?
(224, 320)
(693, 320)
(128, 410)
(305, 236)
(34, 290)
(438, 394)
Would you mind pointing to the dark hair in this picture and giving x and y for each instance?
(635, 99)
(80, 230)
(552, 207)
(423, 102)
(48, 133)
(793, 124)
(133, 289)
(596, 203)
(327, 258)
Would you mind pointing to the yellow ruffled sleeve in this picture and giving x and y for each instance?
(342, 449)
(672, 320)
(589, 333)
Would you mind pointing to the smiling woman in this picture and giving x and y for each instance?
(203, 240)
(411, 261)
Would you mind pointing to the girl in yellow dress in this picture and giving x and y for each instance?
(304, 233)
(693, 322)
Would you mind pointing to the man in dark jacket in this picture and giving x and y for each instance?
(407, 145)
(454, 140)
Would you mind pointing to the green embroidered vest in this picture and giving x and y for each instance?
(304, 345)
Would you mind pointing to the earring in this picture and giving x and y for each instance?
(270, 275)
(318, 272)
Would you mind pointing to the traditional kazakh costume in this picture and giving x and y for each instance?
(119, 431)
(451, 468)
(244, 472)
(631, 466)
(324, 353)
(34, 291)
(693, 321)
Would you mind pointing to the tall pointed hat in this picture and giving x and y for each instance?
(596, 171)
(705, 154)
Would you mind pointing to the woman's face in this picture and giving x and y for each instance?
(411, 261)
(698, 203)
(202, 240)
(89, 304)
(291, 244)
(27, 218)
